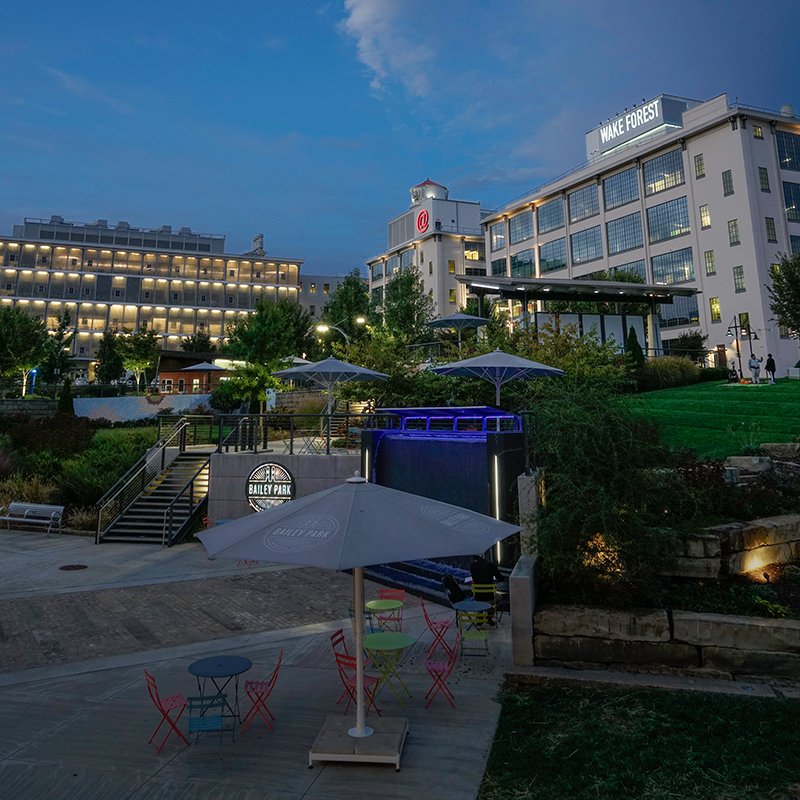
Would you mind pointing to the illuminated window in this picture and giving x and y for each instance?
(763, 178)
(757, 132)
(377, 272)
(711, 264)
(451, 267)
(791, 197)
(674, 267)
(312, 288)
(326, 288)
(624, 233)
(705, 217)
(699, 166)
(788, 150)
(498, 235)
(663, 172)
(727, 182)
(452, 295)
(430, 268)
(738, 279)
(772, 235)
(667, 220)
(716, 315)
(520, 227)
(733, 232)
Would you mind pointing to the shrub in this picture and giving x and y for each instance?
(65, 405)
(311, 407)
(27, 490)
(713, 374)
(63, 435)
(667, 372)
(82, 519)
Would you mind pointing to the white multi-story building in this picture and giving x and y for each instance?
(111, 277)
(705, 195)
(442, 237)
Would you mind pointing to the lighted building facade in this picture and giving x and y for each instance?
(114, 277)
(705, 194)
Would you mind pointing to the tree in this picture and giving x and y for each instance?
(634, 356)
(109, 359)
(199, 342)
(65, 404)
(23, 343)
(59, 345)
(784, 294)
(276, 330)
(139, 351)
(690, 344)
(407, 306)
(350, 301)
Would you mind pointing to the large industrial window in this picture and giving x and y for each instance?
(498, 235)
(674, 267)
(377, 271)
(699, 166)
(711, 264)
(499, 266)
(553, 255)
(791, 196)
(667, 220)
(586, 245)
(763, 178)
(727, 182)
(583, 203)
(772, 234)
(407, 259)
(663, 172)
(520, 227)
(705, 217)
(788, 150)
(794, 244)
(523, 264)
(738, 279)
(733, 232)
(474, 251)
(551, 215)
(620, 189)
(682, 311)
(392, 264)
(716, 314)
(624, 233)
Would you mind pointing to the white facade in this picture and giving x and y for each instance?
(442, 237)
(705, 195)
(315, 291)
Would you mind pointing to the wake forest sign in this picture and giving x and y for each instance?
(632, 124)
(269, 485)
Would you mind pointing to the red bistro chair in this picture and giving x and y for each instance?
(347, 672)
(258, 692)
(392, 620)
(165, 706)
(440, 672)
(438, 628)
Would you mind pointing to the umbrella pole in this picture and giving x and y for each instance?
(459, 340)
(361, 730)
(497, 394)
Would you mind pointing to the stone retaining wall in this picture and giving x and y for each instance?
(34, 409)
(661, 638)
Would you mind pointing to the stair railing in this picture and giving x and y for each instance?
(122, 494)
(190, 496)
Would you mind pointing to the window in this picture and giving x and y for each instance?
(674, 267)
(231, 273)
(772, 235)
(711, 264)
(13, 257)
(44, 259)
(40, 289)
(757, 132)
(705, 217)
(663, 172)
(624, 233)
(551, 215)
(89, 262)
(377, 271)
(407, 259)
(147, 295)
(230, 300)
(71, 290)
(476, 251)
(738, 279)
(794, 244)
(520, 227)
(716, 314)
(699, 166)
(667, 220)
(583, 203)
(258, 274)
(498, 235)
(763, 178)
(174, 297)
(553, 256)
(117, 293)
(451, 267)
(392, 264)
(377, 295)
(523, 264)
(452, 296)
(312, 288)
(73, 262)
(421, 256)
(326, 288)
(788, 150)
(733, 232)
(203, 298)
(620, 189)
(727, 182)
(81, 351)
(9, 287)
(499, 266)
(312, 310)
(87, 292)
(682, 311)
(791, 196)
(430, 268)
(586, 245)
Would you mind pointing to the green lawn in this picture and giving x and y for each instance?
(707, 416)
(576, 743)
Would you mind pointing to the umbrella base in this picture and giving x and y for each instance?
(334, 742)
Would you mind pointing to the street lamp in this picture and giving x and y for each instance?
(323, 327)
(734, 329)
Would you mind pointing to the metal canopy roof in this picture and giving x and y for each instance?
(582, 290)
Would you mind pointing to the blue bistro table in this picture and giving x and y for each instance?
(217, 668)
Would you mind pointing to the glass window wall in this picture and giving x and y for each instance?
(663, 172)
(624, 233)
(550, 215)
(668, 220)
(788, 150)
(586, 245)
(523, 264)
(497, 233)
(520, 227)
(583, 203)
(553, 256)
(676, 266)
(621, 188)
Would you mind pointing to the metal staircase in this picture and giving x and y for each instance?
(161, 496)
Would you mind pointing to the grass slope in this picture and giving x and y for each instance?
(576, 743)
(718, 419)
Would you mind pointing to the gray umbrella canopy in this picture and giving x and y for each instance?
(204, 366)
(458, 322)
(354, 525)
(330, 372)
(497, 368)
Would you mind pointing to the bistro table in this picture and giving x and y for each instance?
(215, 668)
(386, 605)
(385, 648)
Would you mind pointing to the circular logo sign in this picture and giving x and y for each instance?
(422, 221)
(269, 485)
(301, 533)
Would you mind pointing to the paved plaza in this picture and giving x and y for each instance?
(74, 712)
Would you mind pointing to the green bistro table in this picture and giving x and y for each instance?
(385, 605)
(385, 648)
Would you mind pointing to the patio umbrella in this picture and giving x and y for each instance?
(352, 526)
(459, 322)
(204, 366)
(329, 373)
(497, 368)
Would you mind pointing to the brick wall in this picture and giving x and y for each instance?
(33, 408)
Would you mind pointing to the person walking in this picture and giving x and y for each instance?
(770, 367)
(754, 365)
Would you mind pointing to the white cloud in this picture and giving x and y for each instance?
(385, 47)
(88, 91)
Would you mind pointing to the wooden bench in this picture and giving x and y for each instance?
(33, 514)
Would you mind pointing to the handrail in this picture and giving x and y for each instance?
(169, 511)
(136, 479)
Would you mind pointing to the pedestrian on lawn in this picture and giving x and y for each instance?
(770, 367)
(754, 365)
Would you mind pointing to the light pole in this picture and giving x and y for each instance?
(323, 327)
(33, 380)
(734, 329)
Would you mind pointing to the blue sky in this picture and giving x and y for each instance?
(309, 121)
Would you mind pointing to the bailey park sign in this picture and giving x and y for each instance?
(269, 485)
